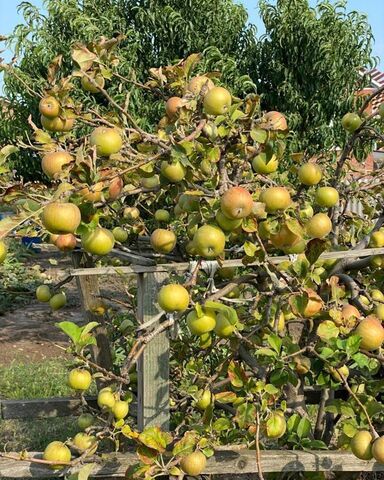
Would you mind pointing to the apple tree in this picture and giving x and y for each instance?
(207, 184)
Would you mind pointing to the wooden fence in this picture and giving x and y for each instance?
(152, 407)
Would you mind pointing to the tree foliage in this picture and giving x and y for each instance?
(307, 66)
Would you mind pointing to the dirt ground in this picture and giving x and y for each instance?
(28, 333)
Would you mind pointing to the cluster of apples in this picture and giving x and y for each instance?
(365, 446)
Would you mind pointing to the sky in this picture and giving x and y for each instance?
(373, 8)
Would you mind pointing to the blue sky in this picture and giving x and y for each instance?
(373, 8)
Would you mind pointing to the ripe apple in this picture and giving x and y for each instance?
(85, 420)
(173, 298)
(209, 241)
(43, 293)
(79, 379)
(162, 215)
(57, 124)
(378, 450)
(163, 241)
(3, 251)
(205, 398)
(319, 226)
(98, 242)
(284, 238)
(276, 425)
(236, 203)
(351, 122)
(131, 213)
(66, 242)
(275, 121)
(172, 106)
(106, 398)
(204, 324)
(371, 332)
(57, 452)
(193, 464)
(174, 172)
(88, 86)
(61, 217)
(53, 162)
(92, 193)
(120, 409)
(327, 197)
(261, 164)
(309, 174)
(106, 140)
(377, 239)
(217, 101)
(223, 328)
(349, 311)
(58, 301)
(361, 445)
(196, 84)
(150, 182)
(84, 442)
(120, 234)
(275, 199)
(313, 306)
(227, 224)
(49, 107)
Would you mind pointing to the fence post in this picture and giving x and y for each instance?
(153, 365)
(88, 286)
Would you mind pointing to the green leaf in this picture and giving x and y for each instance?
(221, 424)
(353, 344)
(147, 455)
(293, 422)
(245, 415)
(259, 135)
(275, 342)
(186, 445)
(155, 438)
(228, 312)
(271, 389)
(266, 352)
(249, 248)
(303, 428)
(327, 330)
(350, 429)
(70, 329)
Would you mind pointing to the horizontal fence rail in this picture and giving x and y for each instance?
(48, 407)
(185, 266)
(229, 461)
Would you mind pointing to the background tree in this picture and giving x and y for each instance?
(156, 33)
(307, 66)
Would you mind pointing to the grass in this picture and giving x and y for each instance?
(35, 380)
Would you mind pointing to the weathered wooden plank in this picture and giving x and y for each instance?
(182, 267)
(66, 406)
(88, 286)
(153, 364)
(223, 462)
(47, 408)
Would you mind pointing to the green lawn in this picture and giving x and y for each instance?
(36, 380)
